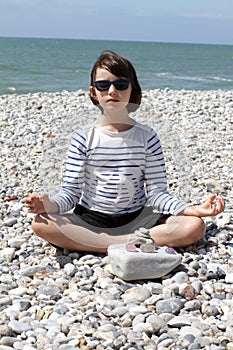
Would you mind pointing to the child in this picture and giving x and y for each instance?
(115, 177)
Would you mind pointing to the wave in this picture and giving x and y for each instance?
(169, 75)
(163, 74)
(179, 77)
(11, 89)
(222, 79)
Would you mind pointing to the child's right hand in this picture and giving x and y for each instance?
(40, 203)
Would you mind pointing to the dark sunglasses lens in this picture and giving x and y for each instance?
(121, 84)
(102, 85)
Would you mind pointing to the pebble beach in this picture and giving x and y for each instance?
(63, 300)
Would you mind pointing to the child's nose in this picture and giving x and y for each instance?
(112, 88)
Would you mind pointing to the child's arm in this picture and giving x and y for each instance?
(39, 204)
(213, 206)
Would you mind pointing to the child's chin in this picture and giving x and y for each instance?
(115, 105)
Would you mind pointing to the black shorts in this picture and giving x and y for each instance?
(116, 224)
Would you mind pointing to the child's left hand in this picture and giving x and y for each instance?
(213, 206)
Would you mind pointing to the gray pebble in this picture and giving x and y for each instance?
(171, 305)
(18, 326)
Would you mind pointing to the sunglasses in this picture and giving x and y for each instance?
(104, 85)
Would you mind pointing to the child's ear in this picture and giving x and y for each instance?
(92, 92)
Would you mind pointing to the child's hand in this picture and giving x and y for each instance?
(213, 206)
(39, 204)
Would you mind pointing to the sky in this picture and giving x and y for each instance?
(190, 21)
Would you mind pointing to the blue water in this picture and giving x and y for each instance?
(33, 65)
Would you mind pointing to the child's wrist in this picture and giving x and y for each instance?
(187, 211)
(54, 207)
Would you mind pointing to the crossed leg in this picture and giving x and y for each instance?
(176, 232)
(60, 231)
(179, 231)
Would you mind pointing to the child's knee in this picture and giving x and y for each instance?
(38, 224)
(201, 226)
(197, 228)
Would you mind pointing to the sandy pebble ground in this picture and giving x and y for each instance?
(71, 300)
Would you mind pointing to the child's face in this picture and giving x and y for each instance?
(111, 99)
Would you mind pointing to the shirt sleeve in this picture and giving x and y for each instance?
(156, 180)
(71, 189)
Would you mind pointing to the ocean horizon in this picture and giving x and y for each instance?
(30, 65)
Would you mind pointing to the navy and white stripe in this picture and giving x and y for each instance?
(116, 172)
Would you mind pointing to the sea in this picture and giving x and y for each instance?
(30, 65)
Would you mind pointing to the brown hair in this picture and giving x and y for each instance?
(120, 67)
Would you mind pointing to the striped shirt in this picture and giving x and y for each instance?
(116, 172)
